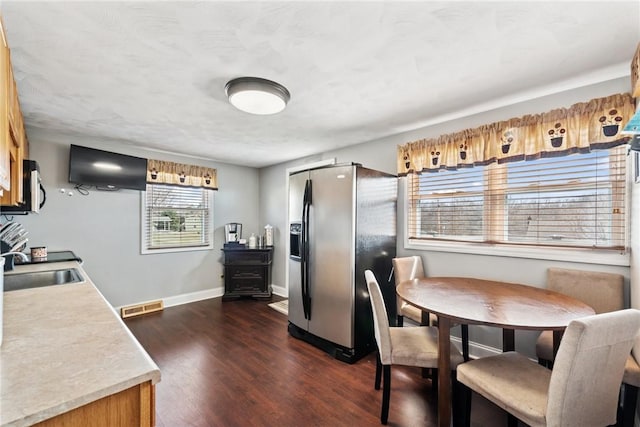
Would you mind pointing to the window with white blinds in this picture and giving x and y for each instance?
(570, 201)
(176, 218)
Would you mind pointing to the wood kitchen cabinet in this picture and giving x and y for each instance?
(131, 407)
(4, 110)
(247, 272)
(13, 138)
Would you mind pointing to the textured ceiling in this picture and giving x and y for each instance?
(152, 74)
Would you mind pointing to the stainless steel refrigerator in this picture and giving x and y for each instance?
(342, 222)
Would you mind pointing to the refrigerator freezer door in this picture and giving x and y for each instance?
(332, 256)
(296, 311)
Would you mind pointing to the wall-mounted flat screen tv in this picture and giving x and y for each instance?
(106, 170)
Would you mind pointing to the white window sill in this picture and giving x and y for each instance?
(145, 251)
(586, 256)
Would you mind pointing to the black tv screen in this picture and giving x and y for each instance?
(106, 170)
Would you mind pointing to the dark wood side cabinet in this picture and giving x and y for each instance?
(247, 273)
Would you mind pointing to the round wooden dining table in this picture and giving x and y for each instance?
(509, 306)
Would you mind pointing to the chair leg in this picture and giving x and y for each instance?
(464, 397)
(464, 331)
(434, 380)
(424, 318)
(399, 321)
(378, 372)
(457, 405)
(386, 392)
(629, 406)
(546, 363)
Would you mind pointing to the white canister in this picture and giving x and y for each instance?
(268, 235)
(252, 241)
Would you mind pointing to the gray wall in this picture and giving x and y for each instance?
(381, 154)
(103, 228)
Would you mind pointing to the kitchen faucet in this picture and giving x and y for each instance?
(23, 257)
(9, 263)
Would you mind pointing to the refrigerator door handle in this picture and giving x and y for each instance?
(303, 261)
(304, 252)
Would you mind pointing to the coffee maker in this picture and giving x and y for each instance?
(232, 232)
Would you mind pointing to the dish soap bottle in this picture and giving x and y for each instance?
(252, 241)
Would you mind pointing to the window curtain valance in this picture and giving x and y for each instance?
(584, 126)
(170, 173)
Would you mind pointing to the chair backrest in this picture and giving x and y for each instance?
(380, 320)
(602, 291)
(406, 268)
(588, 369)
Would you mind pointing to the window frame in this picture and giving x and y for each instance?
(569, 254)
(144, 250)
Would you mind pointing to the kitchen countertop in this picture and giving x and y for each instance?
(64, 346)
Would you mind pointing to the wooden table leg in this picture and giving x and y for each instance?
(424, 318)
(508, 340)
(444, 372)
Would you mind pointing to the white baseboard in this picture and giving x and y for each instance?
(280, 291)
(206, 294)
(476, 350)
(186, 298)
(193, 297)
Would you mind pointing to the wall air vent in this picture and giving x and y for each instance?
(140, 309)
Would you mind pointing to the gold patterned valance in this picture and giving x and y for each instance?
(580, 128)
(162, 172)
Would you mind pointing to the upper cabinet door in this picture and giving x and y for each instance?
(5, 140)
(13, 139)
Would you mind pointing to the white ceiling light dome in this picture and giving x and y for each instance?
(257, 96)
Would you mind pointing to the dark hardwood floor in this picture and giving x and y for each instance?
(234, 364)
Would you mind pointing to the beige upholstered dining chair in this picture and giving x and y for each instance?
(631, 382)
(407, 268)
(400, 346)
(580, 390)
(604, 292)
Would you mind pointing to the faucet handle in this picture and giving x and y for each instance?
(8, 261)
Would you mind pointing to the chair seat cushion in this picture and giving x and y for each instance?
(544, 346)
(512, 382)
(418, 347)
(631, 372)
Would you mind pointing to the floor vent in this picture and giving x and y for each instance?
(139, 309)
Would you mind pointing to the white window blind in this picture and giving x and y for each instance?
(176, 218)
(572, 201)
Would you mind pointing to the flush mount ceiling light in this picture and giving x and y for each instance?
(257, 96)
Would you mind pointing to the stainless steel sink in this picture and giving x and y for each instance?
(37, 279)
